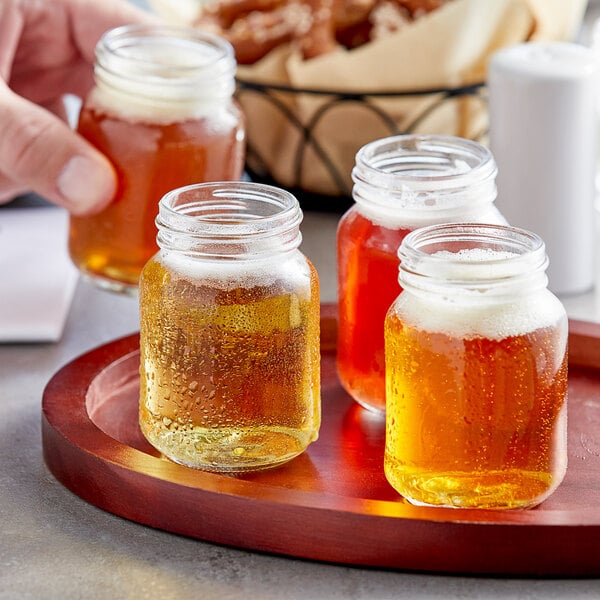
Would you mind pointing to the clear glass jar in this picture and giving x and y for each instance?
(162, 111)
(229, 335)
(400, 183)
(476, 370)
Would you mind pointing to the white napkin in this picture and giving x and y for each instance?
(37, 278)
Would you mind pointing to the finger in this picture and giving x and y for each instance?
(9, 189)
(46, 85)
(11, 26)
(38, 151)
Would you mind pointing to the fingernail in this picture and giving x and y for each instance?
(86, 184)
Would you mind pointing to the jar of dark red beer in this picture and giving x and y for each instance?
(400, 183)
(162, 111)
(229, 334)
(476, 369)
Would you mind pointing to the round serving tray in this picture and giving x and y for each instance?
(332, 503)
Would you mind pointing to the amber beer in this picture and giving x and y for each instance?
(478, 421)
(228, 373)
(151, 158)
(476, 385)
(162, 112)
(401, 183)
(229, 338)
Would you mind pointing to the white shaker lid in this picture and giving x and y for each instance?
(543, 134)
(546, 60)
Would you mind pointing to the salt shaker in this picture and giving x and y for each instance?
(543, 137)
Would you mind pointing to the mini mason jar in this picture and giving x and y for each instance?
(400, 183)
(476, 370)
(162, 112)
(229, 335)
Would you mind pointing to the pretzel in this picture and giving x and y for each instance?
(416, 8)
(255, 27)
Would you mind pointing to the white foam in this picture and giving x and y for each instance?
(127, 105)
(392, 217)
(232, 274)
(475, 255)
(474, 264)
(165, 84)
(467, 318)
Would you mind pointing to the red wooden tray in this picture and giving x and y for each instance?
(333, 502)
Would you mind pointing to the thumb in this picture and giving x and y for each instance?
(39, 152)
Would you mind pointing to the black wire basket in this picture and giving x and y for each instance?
(305, 139)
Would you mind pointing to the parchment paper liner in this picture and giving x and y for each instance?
(309, 140)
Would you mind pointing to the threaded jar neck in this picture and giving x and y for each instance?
(420, 179)
(229, 221)
(473, 261)
(179, 67)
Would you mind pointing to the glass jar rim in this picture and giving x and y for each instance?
(229, 219)
(423, 162)
(471, 255)
(207, 56)
(226, 207)
(412, 179)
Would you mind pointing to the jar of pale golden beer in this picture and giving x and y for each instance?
(476, 370)
(162, 112)
(229, 335)
(400, 183)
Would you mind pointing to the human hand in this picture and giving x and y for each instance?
(47, 51)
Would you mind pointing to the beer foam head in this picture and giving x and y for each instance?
(472, 264)
(227, 275)
(161, 74)
(472, 280)
(460, 318)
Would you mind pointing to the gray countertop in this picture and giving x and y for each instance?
(55, 545)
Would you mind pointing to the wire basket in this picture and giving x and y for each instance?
(306, 139)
